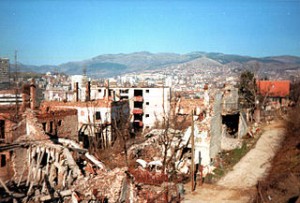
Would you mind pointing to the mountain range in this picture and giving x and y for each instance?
(110, 65)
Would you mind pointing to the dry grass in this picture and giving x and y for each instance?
(283, 181)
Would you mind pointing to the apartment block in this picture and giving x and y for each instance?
(149, 106)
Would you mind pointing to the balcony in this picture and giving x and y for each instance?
(138, 99)
(137, 111)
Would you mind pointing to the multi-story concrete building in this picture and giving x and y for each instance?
(4, 72)
(149, 106)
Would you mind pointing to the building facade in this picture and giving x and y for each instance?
(4, 72)
(149, 106)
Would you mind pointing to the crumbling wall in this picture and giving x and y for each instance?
(6, 171)
(20, 164)
(60, 123)
(230, 100)
(243, 126)
(6, 120)
(216, 126)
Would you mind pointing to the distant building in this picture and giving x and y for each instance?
(279, 88)
(277, 92)
(10, 97)
(4, 72)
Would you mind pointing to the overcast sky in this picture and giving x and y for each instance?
(56, 31)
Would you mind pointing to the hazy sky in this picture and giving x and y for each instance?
(57, 31)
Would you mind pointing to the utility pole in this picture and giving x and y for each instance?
(17, 85)
(193, 153)
(84, 70)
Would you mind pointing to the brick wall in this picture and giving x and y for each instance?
(6, 171)
(5, 119)
(61, 123)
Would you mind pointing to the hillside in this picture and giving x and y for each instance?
(109, 65)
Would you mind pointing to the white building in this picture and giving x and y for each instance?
(10, 97)
(81, 79)
(148, 105)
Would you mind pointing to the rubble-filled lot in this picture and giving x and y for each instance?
(60, 170)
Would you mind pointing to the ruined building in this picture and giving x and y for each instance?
(148, 106)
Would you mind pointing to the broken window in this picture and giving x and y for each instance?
(124, 91)
(147, 115)
(51, 127)
(232, 123)
(137, 117)
(98, 115)
(2, 129)
(138, 93)
(59, 122)
(3, 160)
(44, 126)
(147, 91)
(138, 105)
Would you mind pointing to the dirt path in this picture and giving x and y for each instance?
(238, 185)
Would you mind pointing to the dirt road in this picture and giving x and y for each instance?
(239, 184)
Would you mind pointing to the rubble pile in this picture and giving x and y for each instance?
(34, 129)
(59, 170)
(103, 185)
(147, 177)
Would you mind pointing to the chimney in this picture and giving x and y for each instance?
(32, 94)
(88, 91)
(23, 107)
(76, 92)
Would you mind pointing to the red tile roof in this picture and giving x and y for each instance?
(274, 88)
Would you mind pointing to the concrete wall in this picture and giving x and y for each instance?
(156, 106)
(243, 126)
(216, 126)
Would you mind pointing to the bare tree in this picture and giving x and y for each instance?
(295, 92)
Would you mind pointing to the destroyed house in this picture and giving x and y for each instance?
(97, 119)
(233, 120)
(40, 169)
(14, 123)
(59, 123)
